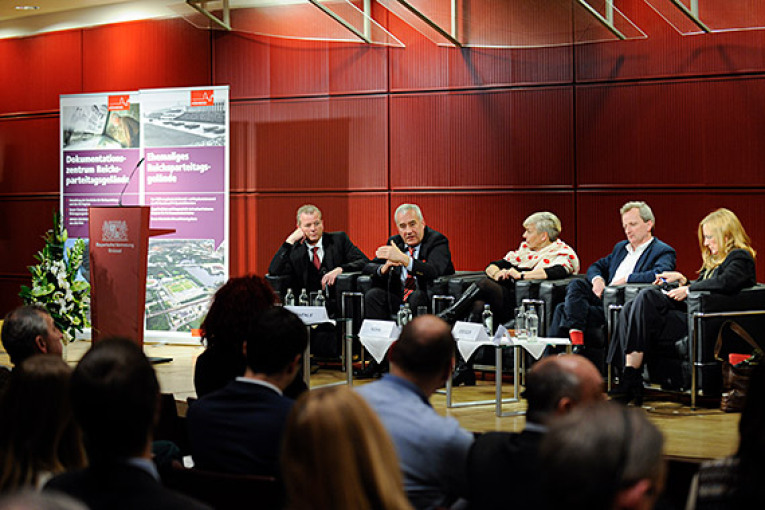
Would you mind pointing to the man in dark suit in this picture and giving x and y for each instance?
(238, 429)
(503, 467)
(404, 268)
(314, 259)
(638, 259)
(115, 400)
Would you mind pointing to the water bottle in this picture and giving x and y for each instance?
(487, 318)
(303, 299)
(320, 300)
(409, 314)
(289, 299)
(520, 323)
(532, 324)
(401, 318)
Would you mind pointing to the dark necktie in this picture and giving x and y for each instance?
(410, 285)
(316, 261)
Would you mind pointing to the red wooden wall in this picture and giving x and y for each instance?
(480, 138)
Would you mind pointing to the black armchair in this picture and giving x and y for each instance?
(688, 364)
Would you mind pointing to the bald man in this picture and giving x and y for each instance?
(502, 466)
(432, 449)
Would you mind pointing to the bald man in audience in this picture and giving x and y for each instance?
(432, 449)
(503, 466)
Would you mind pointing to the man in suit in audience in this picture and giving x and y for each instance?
(115, 400)
(503, 466)
(314, 259)
(432, 449)
(601, 457)
(238, 429)
(28, 330)
(638, 259)
(404, 268)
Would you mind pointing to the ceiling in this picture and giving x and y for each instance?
(8, 9)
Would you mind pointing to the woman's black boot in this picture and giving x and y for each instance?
(631, 387)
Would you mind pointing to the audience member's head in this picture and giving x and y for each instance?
(115, 398)
(557, 384)
(601, 457)
(274, 343)
(233, 305)
(38, 435)
(29, 330)
(33, 500)
(424, 352)
(338, 455)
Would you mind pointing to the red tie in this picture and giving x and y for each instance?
(316, 261)
(410, 285)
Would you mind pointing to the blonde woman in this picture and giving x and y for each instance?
(338, 456)
(728, 267)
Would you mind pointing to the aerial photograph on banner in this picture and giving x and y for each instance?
(185, 134)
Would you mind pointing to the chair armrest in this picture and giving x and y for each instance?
(460, 281)
(364, 283)
(280, 284)
(552, 293)
(345, 282)
(749, 300)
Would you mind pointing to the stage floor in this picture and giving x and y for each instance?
(702, 434)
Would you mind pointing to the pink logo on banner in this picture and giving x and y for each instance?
(117, 103)
(202, 98)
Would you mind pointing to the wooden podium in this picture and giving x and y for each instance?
(119, 249)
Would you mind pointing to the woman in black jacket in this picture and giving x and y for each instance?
(728, 267)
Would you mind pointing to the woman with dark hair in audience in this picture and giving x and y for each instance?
(38, 435)
(224, 330)
(727, 268)
(338, 456)
(737, 481)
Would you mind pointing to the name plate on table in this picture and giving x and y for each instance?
(379, 329)
(311, 315)
(469, 331)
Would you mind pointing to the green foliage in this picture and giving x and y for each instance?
(53, 281)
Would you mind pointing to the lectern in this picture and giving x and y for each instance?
(119, 249)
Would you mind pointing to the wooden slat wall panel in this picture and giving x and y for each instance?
(310, 144)
(678, 214)
(681, 133)
(360, 215)
(424, 65)
(482, 227)
(145, 54)
(9, 293)
(482, 139)
(24, 221)
(35, 70)
(243, 233)
(29, 160)
(667, 53)
(259, 67)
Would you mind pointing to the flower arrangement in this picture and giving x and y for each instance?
(54, 284)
